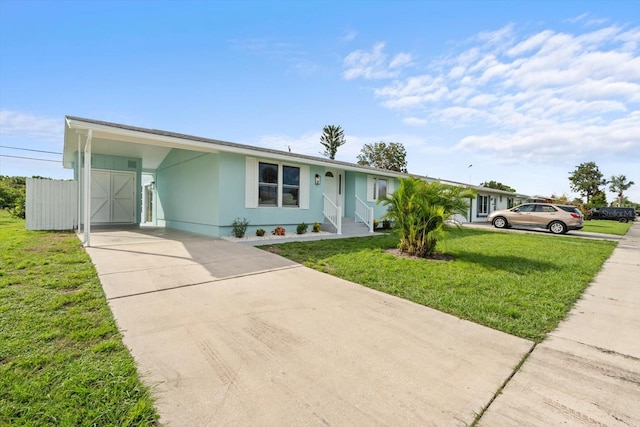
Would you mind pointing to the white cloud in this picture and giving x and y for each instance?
(542, 96)
(350, 36)
(373, 64)
(414, 121)
(14, 123)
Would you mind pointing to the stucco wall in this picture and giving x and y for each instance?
(232, 193)
(187, 189)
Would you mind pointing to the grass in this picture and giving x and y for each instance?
(522, 284)
(62, 360)
(607, 227)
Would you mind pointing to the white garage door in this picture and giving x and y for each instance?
(113, 197)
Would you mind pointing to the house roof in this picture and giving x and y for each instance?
(153, 144)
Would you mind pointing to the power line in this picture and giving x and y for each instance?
(30, 149)
(29, 158)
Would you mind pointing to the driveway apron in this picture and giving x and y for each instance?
(227, 334)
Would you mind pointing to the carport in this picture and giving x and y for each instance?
(112, 159)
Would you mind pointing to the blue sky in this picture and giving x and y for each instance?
(523, 91)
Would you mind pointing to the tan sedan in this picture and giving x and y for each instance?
(556, 218)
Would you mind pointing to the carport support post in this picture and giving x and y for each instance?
(79, 169)
(87, 190)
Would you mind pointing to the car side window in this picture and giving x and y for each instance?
(545, 208)
(526, 208)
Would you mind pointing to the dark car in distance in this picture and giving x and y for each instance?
(613, 214)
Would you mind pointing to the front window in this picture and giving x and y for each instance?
(381, 189)
(278, 185)
(290, 186)
(268, 184)
(483, 205)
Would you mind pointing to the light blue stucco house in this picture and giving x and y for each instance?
(202, 185)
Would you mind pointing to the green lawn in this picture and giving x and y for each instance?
(62, 361)
(607, 227)
(522, 284)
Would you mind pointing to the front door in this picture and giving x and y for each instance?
(334, 186)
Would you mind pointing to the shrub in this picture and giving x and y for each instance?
(376, 224)
(278, 231)
(302, 228)
(316, 227)
(19, 210)
(418, 210)
(260, 232)
(239, 227)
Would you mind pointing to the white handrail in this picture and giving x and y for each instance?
(333, 213)
(365, 213)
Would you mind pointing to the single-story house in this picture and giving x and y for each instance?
(202, 185)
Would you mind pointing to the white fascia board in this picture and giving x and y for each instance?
(137, 137)
(140, 137)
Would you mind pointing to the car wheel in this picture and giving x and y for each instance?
(500, 222)
(557, 227)
(623, 220)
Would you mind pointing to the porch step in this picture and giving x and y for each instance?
(349, 227)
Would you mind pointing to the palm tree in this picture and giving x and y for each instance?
(332, 137)
(419, 210)
(619, 184)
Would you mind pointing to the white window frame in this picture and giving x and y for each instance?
(373, 188)
(252, 185)
(483, 205)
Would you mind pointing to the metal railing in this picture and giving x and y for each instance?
(365, 213)
(333, 213)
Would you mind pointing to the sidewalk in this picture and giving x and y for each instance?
(586, 372)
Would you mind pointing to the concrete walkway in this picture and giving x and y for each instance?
(231, 335)
(586, 372)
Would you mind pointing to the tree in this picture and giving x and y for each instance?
(391, 157)
(498, 186)
(587, 180)
(598, 199)
(332, 137)
(418, 211)
(13, 195)
(619, 184)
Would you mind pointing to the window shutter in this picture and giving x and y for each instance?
(370, 186)
(251, 183)
(304, 187)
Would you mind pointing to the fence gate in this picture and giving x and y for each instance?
(51, 204)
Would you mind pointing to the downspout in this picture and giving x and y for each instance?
(87, 190)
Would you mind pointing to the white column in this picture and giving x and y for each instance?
(87, 190)
(79, 171)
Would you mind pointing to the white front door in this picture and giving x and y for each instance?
(113, 197)
(334, 186)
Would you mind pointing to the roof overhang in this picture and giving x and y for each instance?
(152, 145)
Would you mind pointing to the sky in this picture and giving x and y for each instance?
(519, 92)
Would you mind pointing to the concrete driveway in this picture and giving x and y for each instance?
(227, 334)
